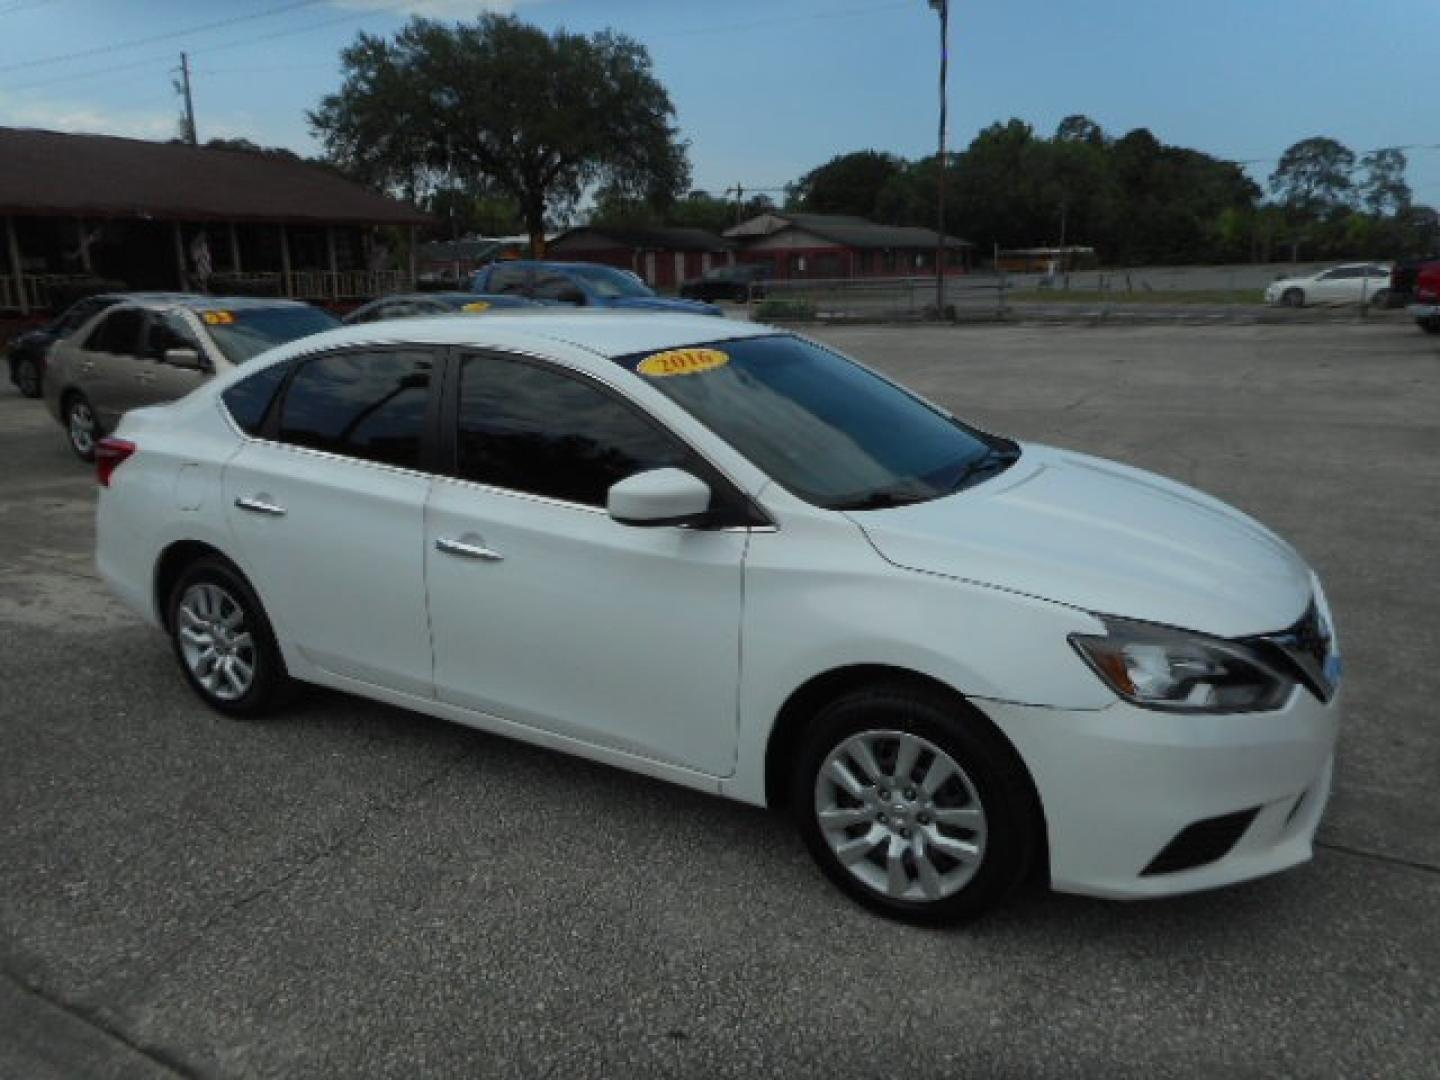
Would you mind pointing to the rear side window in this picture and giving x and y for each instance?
(118, 332)
(528, 428)
(369, 405)
(249, 399)
(510, 280)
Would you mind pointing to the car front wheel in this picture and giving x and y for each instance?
(81, 426)
(1293, 298)
(224, 642)
(1430, 326)
(914, 805)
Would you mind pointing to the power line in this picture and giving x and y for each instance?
(114, 46)
(151, 61)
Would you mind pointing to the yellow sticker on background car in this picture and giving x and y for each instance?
(477, 305)
(217, 318)
(682, 362)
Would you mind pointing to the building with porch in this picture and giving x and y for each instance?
(841, 246)
(88, 212)
(664, 256)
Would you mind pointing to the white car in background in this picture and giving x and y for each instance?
(1352, 283)
(729, 557)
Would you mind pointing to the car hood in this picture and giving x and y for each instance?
(662, 303)
(1107, 538)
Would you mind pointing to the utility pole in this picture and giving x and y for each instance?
(943, 8)
(190, 135)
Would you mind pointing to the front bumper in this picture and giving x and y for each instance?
(1120, 785)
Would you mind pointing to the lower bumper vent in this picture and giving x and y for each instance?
(1203, 842)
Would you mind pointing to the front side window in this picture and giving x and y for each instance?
(550, 285)
(247, 332)
(368, 405)
(821, 426)
(528, 428)
(169, 331)
(608, 283)
(118, 333)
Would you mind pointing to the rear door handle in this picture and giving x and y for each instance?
(258, 505)
(466, 550)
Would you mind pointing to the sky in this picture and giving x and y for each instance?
(766, 89)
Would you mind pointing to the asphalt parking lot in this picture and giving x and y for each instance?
(355, 890)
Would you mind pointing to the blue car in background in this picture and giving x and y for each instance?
(585, 284)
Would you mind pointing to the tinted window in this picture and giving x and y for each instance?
(248, 332)
(118, 332)
(367, 405)
(607, 282)
(169, 331)
(823, 427)
(552, 286)
(249, 399)
(528, 428)
(508, 279)
(71, 320)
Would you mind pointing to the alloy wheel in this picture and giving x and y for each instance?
(901, 815)
(215, 641)
(82, 427)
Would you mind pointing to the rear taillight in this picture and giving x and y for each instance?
(110, 454)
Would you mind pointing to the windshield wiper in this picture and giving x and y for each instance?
(879, 500)
(994, 460)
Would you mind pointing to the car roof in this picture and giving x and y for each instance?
(605, 333)
(554, 264)
(195, 302)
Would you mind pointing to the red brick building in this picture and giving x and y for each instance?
(840, 246)
(663, 256)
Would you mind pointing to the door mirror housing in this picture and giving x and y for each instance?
(186, 360)
(660, 497)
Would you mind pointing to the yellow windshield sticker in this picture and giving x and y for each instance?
(217, 318)
(682, 362)
(477, 305)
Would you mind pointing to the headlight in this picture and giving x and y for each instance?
(1178, 671)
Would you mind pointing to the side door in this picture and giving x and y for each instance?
(156, 379)
(106, 362)
(327, 509)
(545, 611)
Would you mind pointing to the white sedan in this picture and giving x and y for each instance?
(1353, 283)
(732, 558)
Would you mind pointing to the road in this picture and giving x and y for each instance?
(352, 890)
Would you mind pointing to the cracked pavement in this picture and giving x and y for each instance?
(353, 890)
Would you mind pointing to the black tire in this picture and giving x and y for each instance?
(1430, 326)
(1013, 821)
(27, 377)
(77, 408)
(270, 685)
(1380, 299)
(1293, 298)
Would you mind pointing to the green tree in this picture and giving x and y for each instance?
(1078, 128)
(1383, 189)
(543, 118)
(1313, 176)
(846, 184)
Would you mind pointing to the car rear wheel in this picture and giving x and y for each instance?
(1293, 298)
(27, 377)
(1380, 299)
(1430, 326)
(224, 642)
(81, 426)
(914, 806)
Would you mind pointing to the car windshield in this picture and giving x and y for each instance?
(823, 427)
(244, 333)
(608, 283)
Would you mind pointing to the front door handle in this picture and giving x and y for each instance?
(257, 504)
(466, 550)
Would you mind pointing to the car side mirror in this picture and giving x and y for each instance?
(659, 497)
(186, 360)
